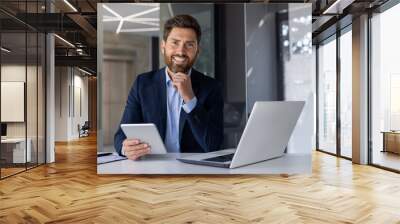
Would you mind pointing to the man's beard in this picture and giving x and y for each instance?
(184, 68)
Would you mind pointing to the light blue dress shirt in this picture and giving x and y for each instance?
(174, 105)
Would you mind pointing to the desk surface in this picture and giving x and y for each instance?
(167, 164)
(390, 132)
(13, 140)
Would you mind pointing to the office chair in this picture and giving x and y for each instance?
(84, 130)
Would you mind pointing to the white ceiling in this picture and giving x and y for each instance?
(140, 18)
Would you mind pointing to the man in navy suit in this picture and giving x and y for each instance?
(185, 105)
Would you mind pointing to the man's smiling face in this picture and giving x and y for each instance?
(180, 50)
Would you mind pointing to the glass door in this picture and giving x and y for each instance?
(346, 93)
(327, 92)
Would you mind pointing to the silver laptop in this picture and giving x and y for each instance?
(265, 136)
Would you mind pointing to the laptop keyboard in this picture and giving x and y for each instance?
(221, 159)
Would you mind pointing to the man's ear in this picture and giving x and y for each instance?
(162, 46)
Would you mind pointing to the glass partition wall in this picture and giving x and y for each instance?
(278, 67)
(385, 89)
(327, 79)
(22, 88)
(334, 87)
(345, 92)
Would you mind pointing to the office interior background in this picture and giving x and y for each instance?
(49, 78)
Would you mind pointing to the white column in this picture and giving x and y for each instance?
(50, 100)
(360, 90)
(100, 132)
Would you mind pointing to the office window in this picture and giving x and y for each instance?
(385, 87)
(286, 77)
(346, 93)
(327, 96)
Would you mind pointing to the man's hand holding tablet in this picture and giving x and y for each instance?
(134, 149)
(141, 139)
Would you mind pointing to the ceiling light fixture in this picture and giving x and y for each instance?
(146, 23)
(110, 19)
(120, 18)
(170, 10)
(84, 71)
(143, 19)
(70, 5)
(112, 11)
(326, 11)
(143, 13)
(133, 18)
(147, 4)
(139, 30)
(121, 22)
(337, 7)
(64, 40)
(5, 50)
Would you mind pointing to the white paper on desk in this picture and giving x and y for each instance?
(109, 159)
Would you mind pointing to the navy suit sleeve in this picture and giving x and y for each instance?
(132, 114)
(206, 122)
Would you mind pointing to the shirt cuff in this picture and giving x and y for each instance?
(188, 107)
(122, 151)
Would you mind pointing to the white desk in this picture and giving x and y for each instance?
(167, 164)
(19, 149)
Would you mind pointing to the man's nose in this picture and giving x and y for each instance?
(181, 49)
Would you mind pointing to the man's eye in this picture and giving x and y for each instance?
(190, 45)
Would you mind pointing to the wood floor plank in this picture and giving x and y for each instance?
(70, 191)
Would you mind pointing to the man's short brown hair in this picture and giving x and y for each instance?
(182, 21)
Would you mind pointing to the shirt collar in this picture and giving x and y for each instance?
(168, 79)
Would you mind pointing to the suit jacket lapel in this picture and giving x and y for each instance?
(182, 120)
(160, 88)
(195, 85)
(195, 76)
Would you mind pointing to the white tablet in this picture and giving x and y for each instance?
(146, 133)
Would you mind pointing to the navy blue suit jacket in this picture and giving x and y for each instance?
(201, 130)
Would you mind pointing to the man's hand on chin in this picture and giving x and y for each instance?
(184, 85)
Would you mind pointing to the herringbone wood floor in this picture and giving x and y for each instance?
(70, 191)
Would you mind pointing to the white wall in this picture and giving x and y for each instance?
(79, 117)
(16, 73)
(61, 103)
(70, 83)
